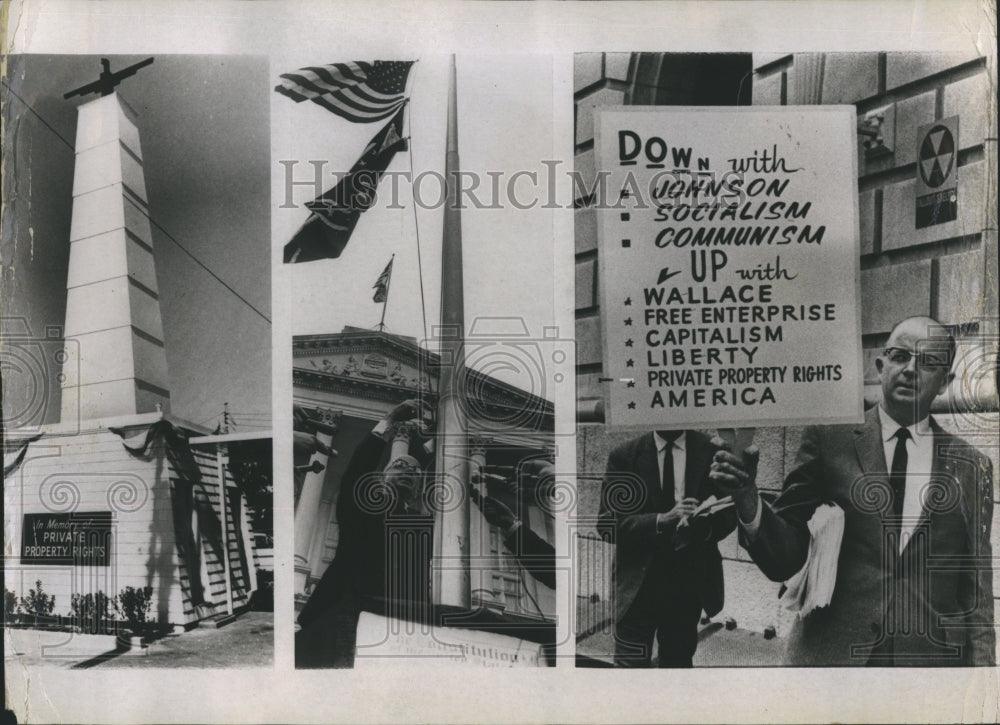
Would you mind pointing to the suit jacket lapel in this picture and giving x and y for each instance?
(649, 470)
(868, 444)
(942, 470)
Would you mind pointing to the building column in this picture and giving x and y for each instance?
(401, 437)
(307, 510)
(808, 79)
(324, 519)
(480, 574)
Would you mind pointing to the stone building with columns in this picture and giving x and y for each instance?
(343, 384)
(908, 267)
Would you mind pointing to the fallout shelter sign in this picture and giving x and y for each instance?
(937, 173)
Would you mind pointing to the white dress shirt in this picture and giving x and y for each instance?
(919, 458)
(679, 451)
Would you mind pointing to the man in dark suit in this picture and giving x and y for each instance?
(667, 566)
(382, 562)
(914, 578)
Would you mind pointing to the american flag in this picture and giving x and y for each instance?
(359, 91)
(381, 285)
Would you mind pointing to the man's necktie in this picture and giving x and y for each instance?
(897, 474)
(667, 477)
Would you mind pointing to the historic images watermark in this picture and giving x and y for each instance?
(701, 189)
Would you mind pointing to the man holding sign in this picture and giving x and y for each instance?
(667, 563)
(914, 580)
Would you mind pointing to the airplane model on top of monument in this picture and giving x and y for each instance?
(120, 499)
(106, 83)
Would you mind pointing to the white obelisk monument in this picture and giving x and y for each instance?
(117, 363)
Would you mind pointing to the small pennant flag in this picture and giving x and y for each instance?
(336, 212)
(381, 285)
(358, 91)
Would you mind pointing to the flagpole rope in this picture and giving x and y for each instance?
(152, 221)
(413, 203)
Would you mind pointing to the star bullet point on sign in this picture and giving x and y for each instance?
(630, 384)
(629, 363)
(628, 322)
(631, 405)
(628, 301)
(628, 342)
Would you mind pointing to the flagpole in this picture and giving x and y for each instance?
(407, 118)
(451, 582)
(385, 302)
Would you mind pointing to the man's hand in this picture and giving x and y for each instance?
(407, 410)
(737, 476)
(677, 514)
(304, 445)
(495, 512)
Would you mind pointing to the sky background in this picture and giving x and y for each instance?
(504, 107)
(204, 129)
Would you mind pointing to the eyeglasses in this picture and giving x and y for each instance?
(930, 359)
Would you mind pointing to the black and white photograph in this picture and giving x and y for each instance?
(788, 446)
(450, 361)
(136, 362)
(423, 384)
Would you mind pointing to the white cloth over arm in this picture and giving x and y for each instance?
(812, 587)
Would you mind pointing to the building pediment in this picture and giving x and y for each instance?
(381, 366)
(362, 365)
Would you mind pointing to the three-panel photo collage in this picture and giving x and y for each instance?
(320, 360)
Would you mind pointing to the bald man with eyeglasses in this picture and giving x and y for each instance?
(914, 582)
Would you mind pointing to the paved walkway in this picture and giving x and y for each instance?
(717, 647)
(246, 642)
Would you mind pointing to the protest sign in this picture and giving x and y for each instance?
(729, 266)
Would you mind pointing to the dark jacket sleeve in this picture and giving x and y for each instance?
(355, 505)
(781, 544)
(975, 587)
(622, 498)
(351, 519)
(723, 523)
(534, 553)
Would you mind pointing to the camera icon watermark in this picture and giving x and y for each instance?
(504, 378)
(34, 368)
(971, 400)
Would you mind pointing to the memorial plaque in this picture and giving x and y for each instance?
(76, 539)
